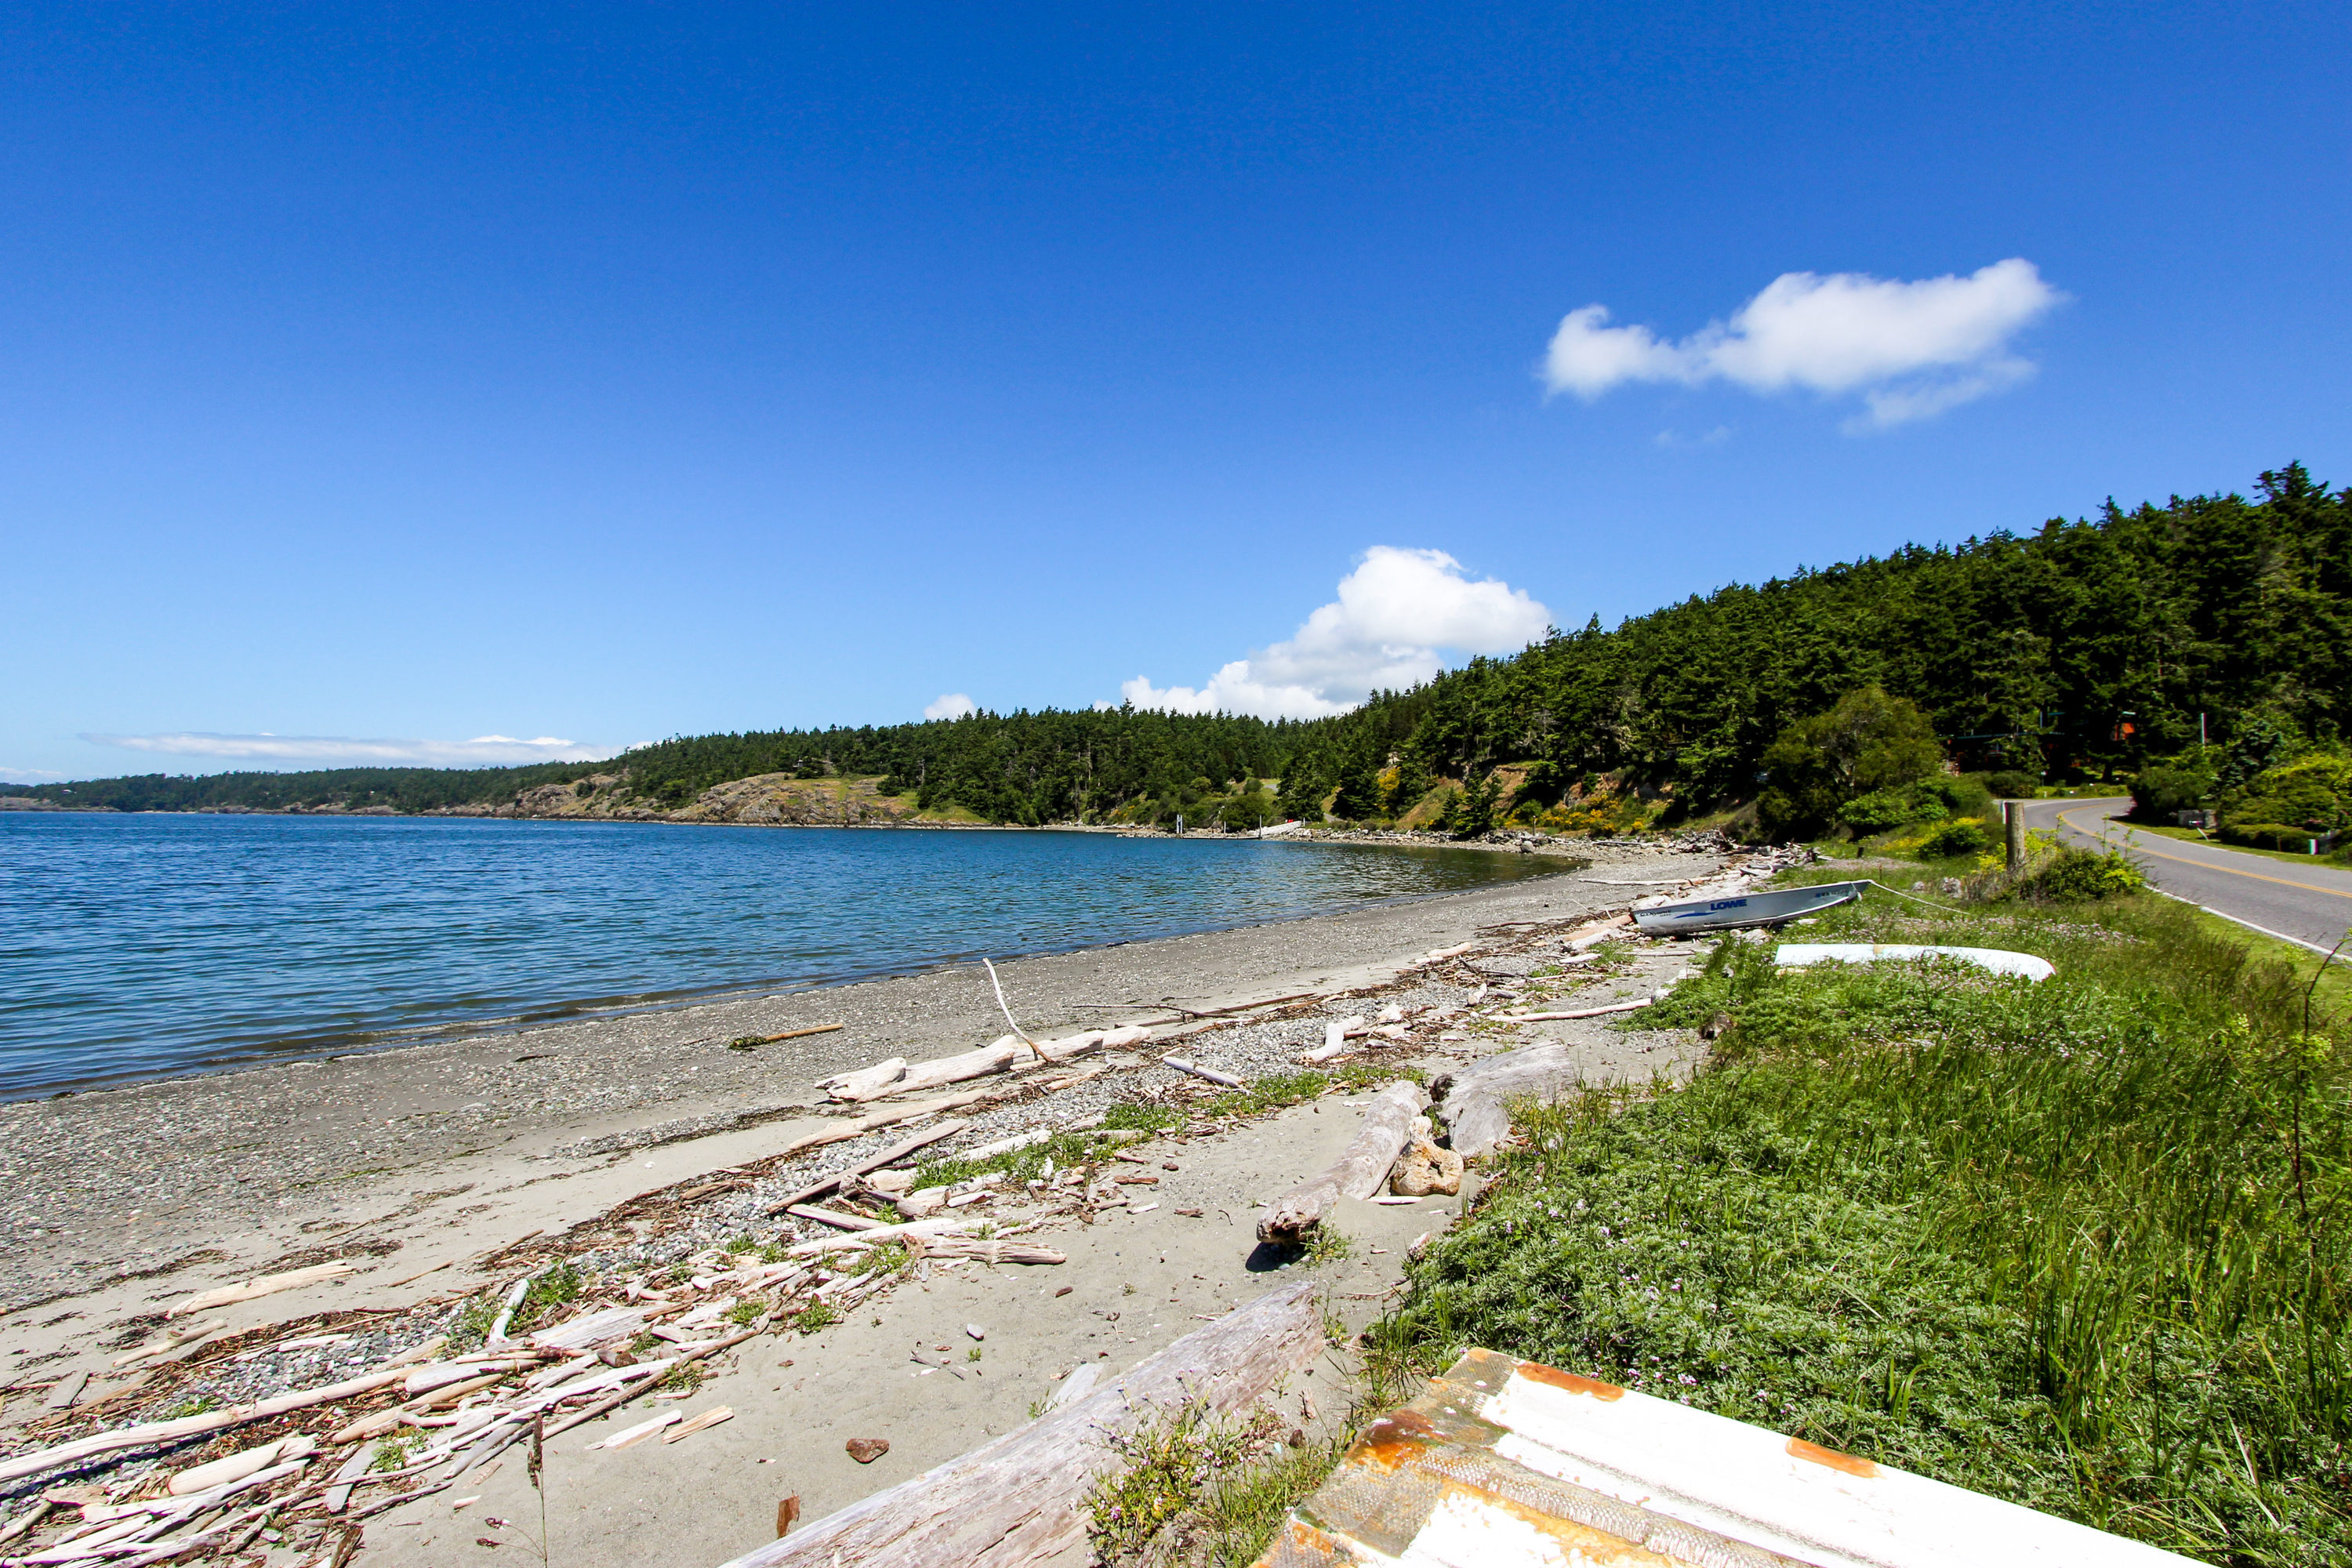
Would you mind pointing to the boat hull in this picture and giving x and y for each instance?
(1775, 907)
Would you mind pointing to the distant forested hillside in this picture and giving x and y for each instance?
(2080, 645)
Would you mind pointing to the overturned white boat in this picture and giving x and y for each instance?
(1775, 907)
(2001, 961)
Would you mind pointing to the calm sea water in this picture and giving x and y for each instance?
(141, 946)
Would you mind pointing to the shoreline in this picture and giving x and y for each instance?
(633, 1187)
(207, 1174)
(366, 1043)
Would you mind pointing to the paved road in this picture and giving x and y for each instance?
(2307, 904)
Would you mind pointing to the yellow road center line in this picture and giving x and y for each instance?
(2140, 849)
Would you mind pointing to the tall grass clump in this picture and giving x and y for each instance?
(2079, 1245)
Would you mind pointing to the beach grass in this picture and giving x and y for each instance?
(2079, 1245)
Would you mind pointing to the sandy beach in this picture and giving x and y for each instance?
(435, 1169)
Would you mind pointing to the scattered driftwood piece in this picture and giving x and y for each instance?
(628, 1436)
(67, 1390)
(1181, 1065)
(1358, 1174)
(746, 1042)
(926, 1228)
(262, 1285)
(708, 1418)
(174, 1338)
(1579, 1013)
(154, 1432)
(1008, 1054)
(1598, 931)
(355, 1465)
(990, 1251)
(841, 1132)
(1021, 1498)
(1191, 1012)
(834, 1217)
(237, 1466)
(891, 1156)
(596, 1328)
(864, 1083)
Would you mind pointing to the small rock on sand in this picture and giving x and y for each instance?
(866, 1450)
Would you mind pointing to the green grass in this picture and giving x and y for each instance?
(2080, 1245)
(471, 1324)
(1068, 1149)
(2191, 836)
(1019, 1165)
(1281, 1091)
(547, 1292)
(1203, 1492)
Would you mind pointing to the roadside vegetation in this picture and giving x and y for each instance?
(2080, 1245)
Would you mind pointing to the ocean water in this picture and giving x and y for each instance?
(143, 946)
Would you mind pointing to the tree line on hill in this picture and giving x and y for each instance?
(2081, 650)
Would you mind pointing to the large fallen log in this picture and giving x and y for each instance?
(1475, 1108)
(1358, 1174)
(1021, 1498)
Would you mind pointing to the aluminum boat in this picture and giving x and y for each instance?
(1775, 907)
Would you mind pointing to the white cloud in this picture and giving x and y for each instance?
(1395, 612)
(1911, 350)
(950, 705)
(343, 751)
(30, 775)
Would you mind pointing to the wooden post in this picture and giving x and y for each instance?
(2013, 814)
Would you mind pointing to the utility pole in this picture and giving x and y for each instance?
(2013, 819)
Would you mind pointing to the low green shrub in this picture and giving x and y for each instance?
(2163, 789)
(2068, 873)
(1883, 808)
(2080, 1245)
(1961, 836)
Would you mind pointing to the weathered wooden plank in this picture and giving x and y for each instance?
(1020, 1498)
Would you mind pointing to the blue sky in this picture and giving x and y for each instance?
(597, 373)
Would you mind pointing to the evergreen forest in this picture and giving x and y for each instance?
(2085, 648)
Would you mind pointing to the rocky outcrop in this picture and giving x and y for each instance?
(781, 800)
(774, 800)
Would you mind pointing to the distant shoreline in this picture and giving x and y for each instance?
(1507, 840)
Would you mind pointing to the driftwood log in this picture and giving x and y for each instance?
(1006, 1055)
(1477, 1107)
(1021, 1498)
(1358, 1172)
(1576, 1013)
